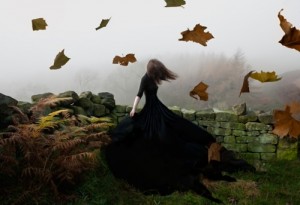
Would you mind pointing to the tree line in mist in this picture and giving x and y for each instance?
(224, 76)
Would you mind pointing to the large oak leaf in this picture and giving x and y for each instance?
(197, 35)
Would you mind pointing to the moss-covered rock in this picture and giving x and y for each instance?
(37, 97)
(120, 109)
(256, 147)
(78, 110)
(233, 125)
(69, 94)
(266, 118)
(226, 117)
(86, 94)
(256, 126)
(249, 117)
(96, 99)
(99, 110)
(268, 138)
(176, 110)
(207, 114)
(229, 139)
(188, 114)
(208, 123)
(236, 147)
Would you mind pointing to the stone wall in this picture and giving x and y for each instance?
(249, 134)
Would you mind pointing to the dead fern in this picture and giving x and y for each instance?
(49, 152)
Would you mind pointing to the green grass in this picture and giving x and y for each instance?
(278, 185)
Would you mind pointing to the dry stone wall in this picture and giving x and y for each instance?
(249, 134)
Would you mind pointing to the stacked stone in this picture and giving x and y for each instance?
(249, 134)
(87, 103)
(246, 132)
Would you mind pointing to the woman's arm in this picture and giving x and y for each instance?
(138, 96)
(135, 104)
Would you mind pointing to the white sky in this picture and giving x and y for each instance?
(144, 27)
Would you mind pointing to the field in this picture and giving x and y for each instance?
(277, 184)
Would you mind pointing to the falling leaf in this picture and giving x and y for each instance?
(265, 76)
(124, 60)
(59, 60)
(174, 3)
(291, 38)
(103, 23)
(214, 152)
(200, 90)
(197, 35)
(245, 86)
(39, 24)
(285, 124)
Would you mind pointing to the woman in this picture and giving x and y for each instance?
(157, 149)
(155, 121)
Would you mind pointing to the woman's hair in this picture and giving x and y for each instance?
(158, 71)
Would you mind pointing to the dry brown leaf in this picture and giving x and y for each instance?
(291, 38)
(196, 35)
(124, 60)
(60, 60)
(174, 3)
(200, 90)
(103, 23)
(245, 86)
(285, 124)
(214, 152)
(38, 24)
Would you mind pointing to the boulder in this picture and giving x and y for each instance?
(37, 97)
(6, 110)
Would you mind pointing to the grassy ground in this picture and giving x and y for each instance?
(278, 184)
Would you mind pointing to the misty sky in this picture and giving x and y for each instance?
(143, 27)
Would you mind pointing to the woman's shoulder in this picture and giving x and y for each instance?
(145, 77)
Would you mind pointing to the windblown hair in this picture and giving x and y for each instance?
(158, 71)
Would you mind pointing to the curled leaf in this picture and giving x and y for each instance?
(174, 3)
(124, 60)
(103, 23)
(38, 24)
(59, 60)
(291, 38)
(197, 35)
(265, 76)
(200, 90)
(245, 86)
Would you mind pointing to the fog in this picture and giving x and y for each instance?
(147, 29)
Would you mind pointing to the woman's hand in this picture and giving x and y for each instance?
(132, 112)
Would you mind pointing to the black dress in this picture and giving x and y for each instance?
(158, 150)
(157, 123)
